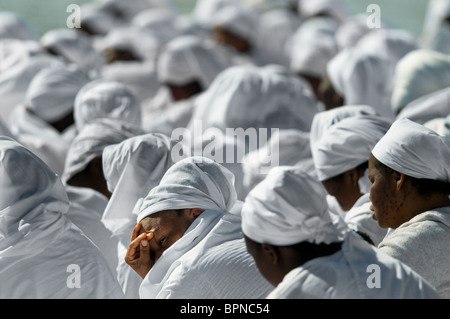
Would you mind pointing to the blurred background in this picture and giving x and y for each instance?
(44, 15)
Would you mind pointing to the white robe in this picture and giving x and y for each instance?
(209, 261)
(346, 274)
(423, 244)
(43, 255)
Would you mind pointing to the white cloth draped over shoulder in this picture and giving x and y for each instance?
(38, 243)
(131, 168)
(198, 182)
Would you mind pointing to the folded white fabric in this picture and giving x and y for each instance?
(288, 207)
(195, 182)
(414, 150)
(347, 144)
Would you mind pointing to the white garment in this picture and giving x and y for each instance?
(12, 26)
(332, 8)
(209, 261)
(348, 274)
(40, 249)
(131, 168)
(359, 218)
(14, 51)
(440, 125)
(422, 243)
(414, 150)
(352, 30)
(106, 99)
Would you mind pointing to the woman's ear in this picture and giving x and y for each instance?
(271, 253)
(195, 212)
(400, 180)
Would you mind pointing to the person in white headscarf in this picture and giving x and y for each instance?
(106, 99)
(12, 26)
(188, 241)
(44, 122)
(312, 46)
(335, 9)
(289, 232)
(131, 169)
(351, 30)
(250, 97)
(418, 73)
(42, 254)
(73, 47)
(360, 78)
(15, 51)
(85, 182)
(440, 125)
(435, 33)
(428, 107)
(410, 175)
(341, 158)
(186, 67)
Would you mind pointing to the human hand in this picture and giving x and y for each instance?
(138, 253)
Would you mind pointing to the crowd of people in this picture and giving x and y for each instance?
(313, 158)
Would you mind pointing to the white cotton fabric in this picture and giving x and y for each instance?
(347, 144)
(362, 78)
(414, 150)
(440, 125)
(333, 8)
(288, 207)
(186, 59)
(194, 182)
(75, 47)
(255, 97)
(14, 51)
(91, 140)
(352, 30)
(323, 120)
(422, 243)
(427, 107)
(346, 275)
(162, 22)
(38, 243)
(106, 99)
(51, 93)
(205, 11)
(419, 73)
(312, 46)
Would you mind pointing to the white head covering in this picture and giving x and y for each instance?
(195, 182)
(414, 150)
(347, 144)
(76, 47)
(51, 93)
(418, 73)
(362, 78)
(333, 8)
(14, 27)
(106, 99)
(427, 107)
(352, 30)
(256, 97)
(14, 51)
(96, 19)
(188, 58)
(205, 11)
(162, 22)
(312, 46)
(440, 125)
(288, 207)
(323, 120)
(132, 168)
(92, 139)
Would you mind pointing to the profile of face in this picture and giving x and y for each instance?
(386, 195)
(167, 227)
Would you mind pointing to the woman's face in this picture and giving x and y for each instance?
(387, 200)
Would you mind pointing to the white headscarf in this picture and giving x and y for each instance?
(14, 51)
(347, 144)
(195, 182)
(323, 120)
(333, 8)
(414, 150)
(76, 47)
(188, 58)
(106, 99)
(440, 125)
(352, 30)
(288, 207)
(362, 78)
(427, 107)
(92, 139)
(419, 73)
(312, 46)
(132, 168)
(162, 22)
(51, 93)
(256, 97)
